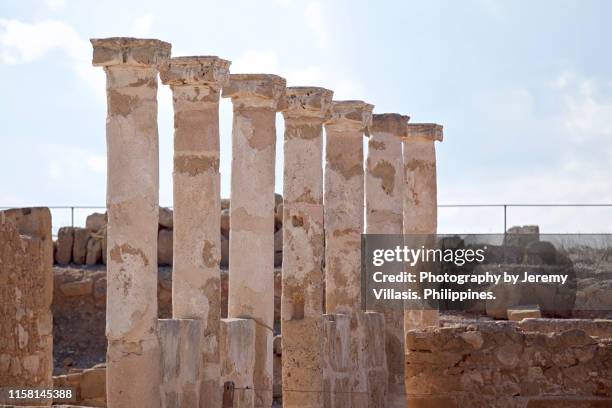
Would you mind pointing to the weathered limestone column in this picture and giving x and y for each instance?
(344, 204)
(26, 292)
(133, 355)
(344, 212)
(421, 198)
(303, 246)
(384, 186)
(255, 98)
(196, 86)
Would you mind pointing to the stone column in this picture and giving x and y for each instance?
(384, 186)
(344, 213)
(344, 204)
(303, 246)
(421, 198)
(133, 355)
(196, 86)
(255, 98)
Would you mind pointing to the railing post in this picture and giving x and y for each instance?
(505, 218)
(72, 217)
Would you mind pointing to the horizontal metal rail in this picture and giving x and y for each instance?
(504, 206)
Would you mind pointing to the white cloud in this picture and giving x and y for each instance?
(589, 107)
(316, 22)
(564, 156)
(143, 26)
(23, 43)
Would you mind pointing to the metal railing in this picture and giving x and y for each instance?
(73, 211)
(505, 207)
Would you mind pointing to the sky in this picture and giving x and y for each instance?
(523, 89)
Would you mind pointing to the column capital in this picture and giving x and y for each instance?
(392, 123)
(307, 102)
(424, 131)
(196, 70)
(127, 51)
(255, 90)
(351, 115)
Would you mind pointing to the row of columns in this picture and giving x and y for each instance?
(323, 222)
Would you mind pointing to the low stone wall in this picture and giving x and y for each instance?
(501, 364)
(89, 385)
(79, 312)
(87, 246)
(26, 287)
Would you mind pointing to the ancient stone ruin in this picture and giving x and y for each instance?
(197, 335)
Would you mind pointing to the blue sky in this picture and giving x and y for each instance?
(523, 89)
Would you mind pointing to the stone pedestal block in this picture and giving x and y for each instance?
(237, 355)
(181, 342)
(133, 356)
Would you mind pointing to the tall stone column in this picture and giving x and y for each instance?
(344, 204)
(255, 99)
(133, 355)
(303, 246)
(344, 213)
(421, 198)
(384, 186)
(196, 86)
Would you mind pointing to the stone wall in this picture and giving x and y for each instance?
(26, 287)
(87, 246)
(79, 310)
(504, 364)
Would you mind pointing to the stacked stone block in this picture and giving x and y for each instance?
(26, 289)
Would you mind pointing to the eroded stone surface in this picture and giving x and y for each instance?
(196, 83)
(26, 290)
(237, 353)
(495, 365)
(420, 201)
(181, 341)
(344, 203)
(303, 246)
(384, 186)
(343, 219)
(255, 99)
(133, 355)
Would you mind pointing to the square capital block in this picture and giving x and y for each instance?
(307, 102)
(424, 131)
(198, 70)
(127, 51)
(351, 116)
(255, 90)
(392, 123)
